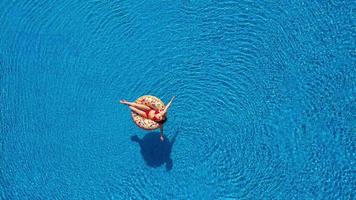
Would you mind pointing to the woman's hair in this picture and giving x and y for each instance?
(164, 119)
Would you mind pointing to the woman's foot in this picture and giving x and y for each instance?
(124, 102)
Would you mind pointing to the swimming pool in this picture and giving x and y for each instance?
(265, 105)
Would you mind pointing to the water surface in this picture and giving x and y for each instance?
(265, 105)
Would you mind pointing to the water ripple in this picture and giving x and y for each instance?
(265, 98)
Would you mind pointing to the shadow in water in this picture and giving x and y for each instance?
(154, 151)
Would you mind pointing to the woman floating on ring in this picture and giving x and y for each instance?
(150, 113)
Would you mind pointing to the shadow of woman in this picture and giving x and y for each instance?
(154, 151)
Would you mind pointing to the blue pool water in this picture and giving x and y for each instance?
(265, 107)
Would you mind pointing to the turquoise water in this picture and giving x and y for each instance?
(265, 107)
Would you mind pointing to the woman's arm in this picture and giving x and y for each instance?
(168, 105)
(161, 132)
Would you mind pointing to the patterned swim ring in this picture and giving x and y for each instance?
(150, 101)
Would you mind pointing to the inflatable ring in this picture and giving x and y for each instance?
(150, 101)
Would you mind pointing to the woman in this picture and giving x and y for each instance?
(149, 113)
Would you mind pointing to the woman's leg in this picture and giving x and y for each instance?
(138, 111)
(141, 106)
(136, 105)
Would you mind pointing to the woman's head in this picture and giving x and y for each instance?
(164, 119)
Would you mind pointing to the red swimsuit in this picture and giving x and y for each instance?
(154, 117)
